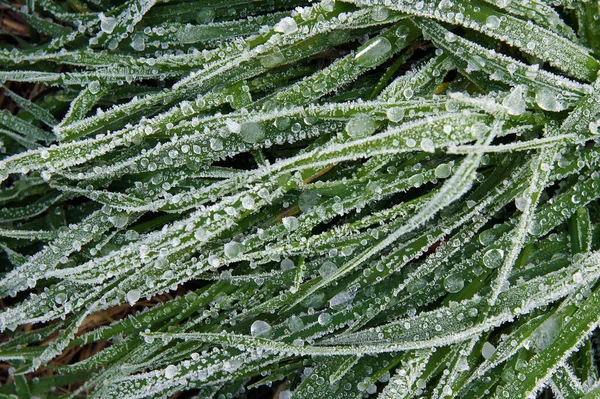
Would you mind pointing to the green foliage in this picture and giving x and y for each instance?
(345, 199)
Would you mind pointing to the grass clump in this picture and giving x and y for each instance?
(293, 199)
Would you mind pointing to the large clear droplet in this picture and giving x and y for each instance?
(374, 52)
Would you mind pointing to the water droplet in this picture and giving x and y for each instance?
(442, 171)
(379, 13)
(260, 328)
(286, 26)
(170, 371)
(291, 223)
(492, 22)
(94, 87)
(395, 114)
(341, 298)
(44, 154)
(454, 283)
(547, 100)
(107, 24)
(248, 202)
(295, 323)
(133, 296)
(252, 132)
(233, 249)
(427, 145)
(287, 264)
(327, 269)
(360, 125)
(521, 203)
(374, 52)
(514, 102)
(324, 319)
(119, 221)
(493, 258)
(138, 43)
(487, 350)
(216, 144)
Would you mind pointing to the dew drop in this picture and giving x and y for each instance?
(488, 350)
(286, 26)
(521, 203)
(547, 100)
(442, 171)
(327, 269)
(374, 52)
(107, 24)
(514, 102)
(493, 258)
(454, 283)
(360, 125)
(492, 22)
(133, 296)
(233, 249)
(252, 132)
(170, 371)
(395, 114)
(260, 328)
(427, 145)
(379, 13)
(291, 223)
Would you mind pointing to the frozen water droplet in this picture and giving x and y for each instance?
(119, 221)
(341, 298)
(447, 391)
(94, 87)
(170, 371)
(327, 269)
(395, 114)
(252, 132)
(360, 125)
(216, 144)
(233, 249)
(248, 202)
(442, 171)
(133, 296)
(379, 13)
(285, 395)
(233, 126)
(107, 24)
(488, 350)
(138, 43)
(547, 100)
(291, 223)
(578, 278)
(493, 258)
(287, 264)
(514, 102)
(427, 145)
(492, 22)
(295, 323)
(324, 319)
(307, 200)
(44, 154)
(521, 203)
(260, 328)
(454, 283)
(374, 52)
(60, 298)
(287, 26)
